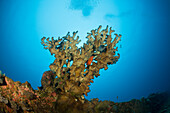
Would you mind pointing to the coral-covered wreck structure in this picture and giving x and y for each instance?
(65, 84)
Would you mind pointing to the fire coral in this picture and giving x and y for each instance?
(70, 71)
(65, 84)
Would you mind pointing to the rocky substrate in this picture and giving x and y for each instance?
(17, 97)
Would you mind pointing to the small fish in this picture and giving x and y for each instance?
(90, 60)
(102, 48)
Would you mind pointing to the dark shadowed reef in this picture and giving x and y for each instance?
(16, 97)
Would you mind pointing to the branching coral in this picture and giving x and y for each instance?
(75, 68)
(64, 86)
(73, 74)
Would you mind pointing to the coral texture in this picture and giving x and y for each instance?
(76, 67)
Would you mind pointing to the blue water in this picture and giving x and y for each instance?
(143, 67)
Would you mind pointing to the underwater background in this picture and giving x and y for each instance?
(143, 67)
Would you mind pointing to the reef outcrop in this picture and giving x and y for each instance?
(65, 84)
(16, 97)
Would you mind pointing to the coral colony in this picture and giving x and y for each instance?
(65, 84)
(75, 78)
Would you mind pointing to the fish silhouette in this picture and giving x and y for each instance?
(102, 48)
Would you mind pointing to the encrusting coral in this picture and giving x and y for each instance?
(97, 53)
